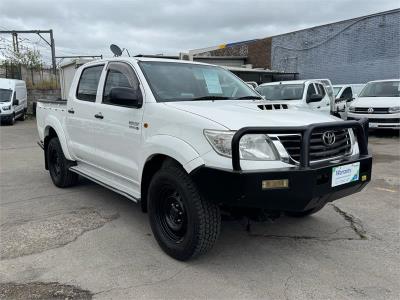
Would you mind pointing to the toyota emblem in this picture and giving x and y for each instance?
(329, 138)
(370, 110)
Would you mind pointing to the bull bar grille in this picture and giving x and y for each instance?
(308, 136)
(318, 150)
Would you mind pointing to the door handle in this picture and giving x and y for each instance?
(318, 106)
(71, 111)
(99, 116)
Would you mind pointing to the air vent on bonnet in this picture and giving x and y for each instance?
(272, 106)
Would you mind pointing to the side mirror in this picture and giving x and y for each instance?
(350, 99)
(314, 98)
(15, 102)
(126, 96)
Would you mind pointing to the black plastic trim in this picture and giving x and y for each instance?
(360, 127)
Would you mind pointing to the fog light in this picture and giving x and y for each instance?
(364, 178)
(275, 184)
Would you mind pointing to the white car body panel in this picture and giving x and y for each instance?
(377, 120)
(113, 150)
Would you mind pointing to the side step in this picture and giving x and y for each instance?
(115, 184)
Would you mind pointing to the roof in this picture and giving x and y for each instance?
(384, 80)
(9, 83)
(220, 57)
(287, 82)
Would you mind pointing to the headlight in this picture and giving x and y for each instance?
(394, 109)
(352, 109)
(251, 146)
(6, 107)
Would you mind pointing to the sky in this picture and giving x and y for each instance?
(168, 27)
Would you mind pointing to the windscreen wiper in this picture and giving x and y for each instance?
(211, 98)
(248, 97)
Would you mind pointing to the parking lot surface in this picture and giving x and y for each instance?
(88, 242)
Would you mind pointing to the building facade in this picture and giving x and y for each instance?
(351, 51)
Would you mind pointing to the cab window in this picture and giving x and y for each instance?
(119, 75)
(311, 90)
(347, 93)
(88, 83)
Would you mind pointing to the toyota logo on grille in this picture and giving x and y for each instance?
(370, 110)
(329, 138)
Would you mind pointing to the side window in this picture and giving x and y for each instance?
(321, 89)
(311, 91)
(88, 83)
(119, 75)
(347, 93)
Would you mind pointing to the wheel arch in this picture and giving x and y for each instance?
(160, 149)
(51, 131)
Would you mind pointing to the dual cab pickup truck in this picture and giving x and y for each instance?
(188, 140)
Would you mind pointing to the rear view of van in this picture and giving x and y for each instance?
(13, 100)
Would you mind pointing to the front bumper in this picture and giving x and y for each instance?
(309, 184)
(5, 117)
(382, 121)
(308, 188)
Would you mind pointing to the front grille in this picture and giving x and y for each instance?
(318, 149)
(393, 120)
(376, 110)
(272, 106)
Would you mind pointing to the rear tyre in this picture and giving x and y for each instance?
(306, 213)
(59, 165)
(184, 224)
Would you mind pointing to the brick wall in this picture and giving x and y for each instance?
(258, 52)
(353, 51)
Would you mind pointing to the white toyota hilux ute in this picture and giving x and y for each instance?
(188, 140)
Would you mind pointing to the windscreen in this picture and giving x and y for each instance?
(282, 91)
(381, 89)
(171, 81)
(336, 90)
(5, 95)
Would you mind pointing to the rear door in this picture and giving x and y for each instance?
(118, 132)
(81, 111)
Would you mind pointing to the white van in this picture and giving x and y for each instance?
(13, 100)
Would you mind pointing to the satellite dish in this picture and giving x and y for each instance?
(116, 50)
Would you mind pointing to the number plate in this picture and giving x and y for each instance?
(345, 174)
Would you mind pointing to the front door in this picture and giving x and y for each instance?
(118, 132)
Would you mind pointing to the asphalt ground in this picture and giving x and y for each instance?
(88, 242)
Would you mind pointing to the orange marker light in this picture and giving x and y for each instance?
(145, 125)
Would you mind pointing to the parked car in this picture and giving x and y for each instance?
(345, 94)
(187, 140)
(379, 101)
(310, 94)
(13, 100)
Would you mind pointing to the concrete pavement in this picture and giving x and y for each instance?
(87, 241)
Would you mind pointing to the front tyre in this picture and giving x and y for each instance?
(184, 224)
(59, 165)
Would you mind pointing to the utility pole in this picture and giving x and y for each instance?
(53, 51)
(14, 34)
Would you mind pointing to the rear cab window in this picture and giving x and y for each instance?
(88, 83)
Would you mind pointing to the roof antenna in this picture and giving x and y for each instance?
(117, 50)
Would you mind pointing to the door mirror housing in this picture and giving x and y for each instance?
(126, 96)
(15, 102)
(315, 98)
